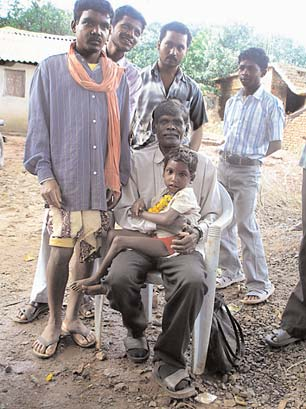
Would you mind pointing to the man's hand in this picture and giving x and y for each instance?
(51, 193)
(138, 207)
(112, 198)
(185, 242)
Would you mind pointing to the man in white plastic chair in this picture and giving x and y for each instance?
(183, 275)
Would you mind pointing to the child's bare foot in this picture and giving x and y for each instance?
(94, 289)
(77, 285)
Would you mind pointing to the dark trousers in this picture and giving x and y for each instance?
(184, 283)
(294, 316)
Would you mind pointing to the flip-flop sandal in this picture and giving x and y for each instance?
(132, 344)
(38, 308)
(261, 295)
(170, 382)
(46, 344)
(226, 281)
(75, 336)
(280, 338)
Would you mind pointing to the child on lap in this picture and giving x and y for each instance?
(175, 200)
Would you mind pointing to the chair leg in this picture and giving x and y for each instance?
(200, 340)
(202, 326)
(99, 301)
(147, 299)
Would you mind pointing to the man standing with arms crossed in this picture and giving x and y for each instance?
(77, 145)
(253, 129)
(127, 26)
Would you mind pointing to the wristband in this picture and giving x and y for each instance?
(199, 230)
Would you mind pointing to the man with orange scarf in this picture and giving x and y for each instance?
(77, 145)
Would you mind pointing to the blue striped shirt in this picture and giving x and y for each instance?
(251, 123)
(67, 136)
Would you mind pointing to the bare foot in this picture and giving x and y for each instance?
(77, 285)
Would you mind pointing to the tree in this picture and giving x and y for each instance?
(145, 52)
(285, 50)
(40, 16)
(213, 52)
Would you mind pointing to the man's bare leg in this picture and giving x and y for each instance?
(57, 276)
(72, 324)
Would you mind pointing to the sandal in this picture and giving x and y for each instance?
(225, 281)
(87, 308)
(170, 382)
(280, 338)
(137, 349)
(47, 345)
(261, 296)
(30, 313)
(81, 339)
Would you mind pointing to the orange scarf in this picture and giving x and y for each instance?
(112, 75)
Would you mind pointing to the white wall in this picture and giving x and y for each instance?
(14, 110)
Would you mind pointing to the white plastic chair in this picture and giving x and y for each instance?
(201, 331)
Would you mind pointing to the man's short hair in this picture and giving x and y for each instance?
(129, 11)
(172, 107)
(102, 6)
(178, 28)
(257, 55)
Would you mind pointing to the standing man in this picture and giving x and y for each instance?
(253, 129)
(293, 323)
(183, 275)
(77, 145)
(165, 79)
(127, 26)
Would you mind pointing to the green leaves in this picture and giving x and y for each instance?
(40, 16)
(213, 52)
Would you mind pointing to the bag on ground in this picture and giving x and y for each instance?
(226, 343)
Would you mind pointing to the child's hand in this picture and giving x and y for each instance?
(187, 227)
(137, 207)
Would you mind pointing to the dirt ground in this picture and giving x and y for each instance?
(80, 378)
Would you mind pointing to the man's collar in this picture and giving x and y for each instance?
(159, 156)
(257, 94)
(178, 75)
(122, 62)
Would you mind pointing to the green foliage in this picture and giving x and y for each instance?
(285, 50)
(145, 52)
(213, 52)
(40, 16)
(207, 59)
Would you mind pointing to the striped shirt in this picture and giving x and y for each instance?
(251, 123)
(133, 78)
(153, 93)
(68, 133)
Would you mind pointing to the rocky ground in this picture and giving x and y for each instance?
(84, 378)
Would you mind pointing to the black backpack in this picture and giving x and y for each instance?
(226, 343)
